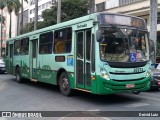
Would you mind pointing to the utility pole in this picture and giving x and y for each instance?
(92, 6)
(36, 15)
(153, 24)
(59, 12)
(1, 33)
(21, 23)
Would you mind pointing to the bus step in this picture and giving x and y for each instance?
(34, 80)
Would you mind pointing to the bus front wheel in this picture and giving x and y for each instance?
(18, 75)
(64, 84)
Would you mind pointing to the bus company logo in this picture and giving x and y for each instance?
(118, 71)
(6, 114)
(81, 26)
(21, 114)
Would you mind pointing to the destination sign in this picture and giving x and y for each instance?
(106, 19)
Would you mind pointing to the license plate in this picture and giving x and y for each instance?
(130, 85)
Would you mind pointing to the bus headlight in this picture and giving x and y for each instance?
(148, 74)
(104, 74)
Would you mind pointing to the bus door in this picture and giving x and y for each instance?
(11, 58)
(83, 59)
(34, 58)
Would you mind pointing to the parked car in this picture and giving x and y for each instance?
(155, 78)
(2, 66)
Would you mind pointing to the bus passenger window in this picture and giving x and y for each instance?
(7, 45)
(45, 43)
(17, 47)
(62, 40)
(24, 50)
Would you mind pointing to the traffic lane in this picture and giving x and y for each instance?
(31, 93)
(84, 101)
(40, 96)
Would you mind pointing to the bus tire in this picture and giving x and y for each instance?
(18, 75)
(64, 85)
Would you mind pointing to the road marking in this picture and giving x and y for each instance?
(84, 118)
(94, 110)
(90, 117)
(150, 98)
(98, 110)
(2, 118)
(105, 118)
(137, 105)
(3, 85)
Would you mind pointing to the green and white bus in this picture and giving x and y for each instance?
(101, 53)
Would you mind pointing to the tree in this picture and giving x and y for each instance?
(73, 9)
(12, 5)
(70, 9)
(28, 27)
(2, 6)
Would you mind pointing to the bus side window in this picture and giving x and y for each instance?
(7, 45)
(24, 50)
(62, 40)
(45, 43)
(17, 47)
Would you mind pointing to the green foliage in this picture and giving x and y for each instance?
(2, 4)
(70, 9)
(73, 9)
(13, 5)
(28, 27)
(49, 16)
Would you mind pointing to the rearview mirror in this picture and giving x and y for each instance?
(152, 46)
(98, 35)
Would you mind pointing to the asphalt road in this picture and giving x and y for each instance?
(30, 96)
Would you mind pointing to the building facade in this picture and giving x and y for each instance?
(3, 35)
(28, 15)
(42, 5)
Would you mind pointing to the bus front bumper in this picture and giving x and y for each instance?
(111, 86)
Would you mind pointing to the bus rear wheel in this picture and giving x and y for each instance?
(64, 84)
(18, 75)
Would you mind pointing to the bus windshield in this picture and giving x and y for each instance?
(123, 45)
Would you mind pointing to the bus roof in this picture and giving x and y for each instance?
(68, 23)
(57, 26)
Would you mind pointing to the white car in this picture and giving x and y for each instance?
(2, 66)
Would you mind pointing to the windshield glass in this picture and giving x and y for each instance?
(123, 45)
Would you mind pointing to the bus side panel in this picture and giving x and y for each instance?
(24, 66)
(72, 81)
(16, 62)
(45, 71)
